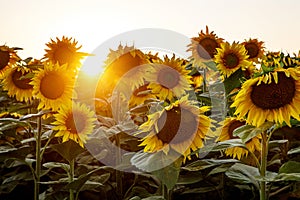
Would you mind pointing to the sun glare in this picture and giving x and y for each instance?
(92, 71)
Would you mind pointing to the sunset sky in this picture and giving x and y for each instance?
(30, 24)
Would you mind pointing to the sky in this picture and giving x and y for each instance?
(32, 23)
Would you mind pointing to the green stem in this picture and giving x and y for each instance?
(38, 159)
(263, 168)
(165, 192)
(71, 177)
(45, 146)
(119, 174)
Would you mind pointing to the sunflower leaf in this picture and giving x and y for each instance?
(233, 81)
(220, 146)
(68, 150)
(169, 174)
(153, 161)
(290, 167)
(293, 151)
(244, 174)
(244, 132)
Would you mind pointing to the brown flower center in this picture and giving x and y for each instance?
(207, 48)
(231, 60)
(52, 86)
(64, 54)
(168, 77)
(75, 122)
(272, 96)
(4, 59)
(252, 50)
(233, 125)
(177, 125)
(21, 83)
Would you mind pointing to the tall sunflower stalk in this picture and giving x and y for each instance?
(38, 159)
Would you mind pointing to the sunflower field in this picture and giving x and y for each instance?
(223, 123)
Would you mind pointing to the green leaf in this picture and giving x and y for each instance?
(169, 174)
(51, 165)
(19, 153)
(12, 123)
(293, 151)
(220, 146)
(68, 150)
(243, 132)
(247, 132)
(290, 167)
(154, 198)
(154, 161)
(233, 81)
(24, 176)
(39, 114)
(243, 174)
(220, 169)
(81, 180)
(287, 177)
(189, 178)
(207, 163)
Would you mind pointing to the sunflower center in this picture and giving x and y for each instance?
(21, 83)
(168, 77)
(177, 125)
(272, 96)
(231, 60)
(252, 49)
(63, 54)
(168, 125)
(75, 124)
(233, 125)
(52, 86)
(207, 48)
(4, 59)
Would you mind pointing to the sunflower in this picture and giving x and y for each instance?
(181, 126)
(255, 49)
(140, 95)
(8, 57)
(273, 97)
(153, 58)
(16, 85)
(74, 121)
(64, 51)
(230, 58)
(53, 85)
(169, 78)
(197, 81)
(118, 63)
(204, 47)
(226, 133)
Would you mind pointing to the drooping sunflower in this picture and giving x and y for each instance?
(16, 85)
(226, 133)
(169, 78)
(65, 51)
(74, 121)
(53, 85)
(204, 47)
(273, 97)
(181, 126)
(255, 49)
(118, 63)
(231, 57)
(8, 57)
